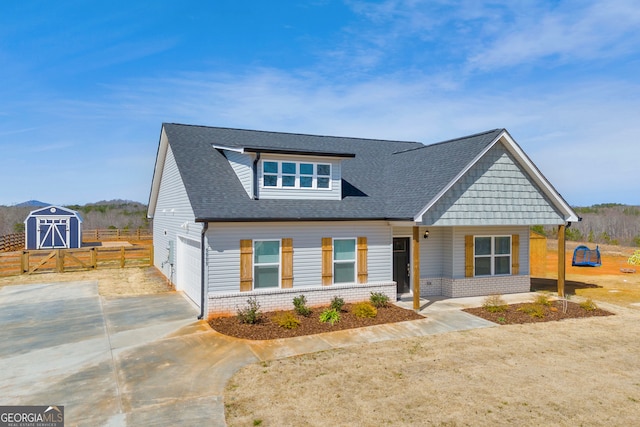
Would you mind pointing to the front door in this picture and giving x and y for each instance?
(401, 264)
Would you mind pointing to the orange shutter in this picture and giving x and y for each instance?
(327, 260)
(246, 265)
(287, 262)
(515, 254)
(363, 274)
(468, 256)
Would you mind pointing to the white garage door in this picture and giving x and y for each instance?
(188, 268)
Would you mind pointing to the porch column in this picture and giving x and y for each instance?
(415, 273)
(561, 259)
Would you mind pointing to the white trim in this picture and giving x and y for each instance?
(254, 264)
(157, 173)
(355, 259)
(222, 147)
(524, 161)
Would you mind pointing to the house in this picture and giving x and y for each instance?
(242, 213)
(53, 227)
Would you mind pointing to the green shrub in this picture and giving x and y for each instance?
(542, 299)
(329, 316)
(300, 306)
(533, 310)
(286, 320)
(494, 304)
(364, 309)
(337, 303)
(378, 299)
(250, 314)
(635, 258)
(589, 305)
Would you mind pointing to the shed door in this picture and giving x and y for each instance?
(53, 233)
(188, 268)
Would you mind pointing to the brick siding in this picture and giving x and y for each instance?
(282, 299)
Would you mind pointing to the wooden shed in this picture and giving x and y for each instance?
(538, 254)
(53, 227)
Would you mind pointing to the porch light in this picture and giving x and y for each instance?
(426, 234)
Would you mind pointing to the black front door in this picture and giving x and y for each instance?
(401, 265)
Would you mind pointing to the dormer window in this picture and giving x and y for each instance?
(281, 174)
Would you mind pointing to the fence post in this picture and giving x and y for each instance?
(150, 255)
(94, 259)
(24, 262)
(60, 261)
(121, 256)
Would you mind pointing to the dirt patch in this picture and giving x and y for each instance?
(268, 329)
(111, 282)
(606, 283)
(517, 313)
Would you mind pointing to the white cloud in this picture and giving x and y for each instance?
(574, 30)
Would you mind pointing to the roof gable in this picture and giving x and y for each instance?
(381, 179)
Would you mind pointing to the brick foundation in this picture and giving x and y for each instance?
(282, 299)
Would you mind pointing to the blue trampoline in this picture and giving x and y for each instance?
(585, 257)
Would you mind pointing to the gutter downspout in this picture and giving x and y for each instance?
(205, 227)
(255, 176)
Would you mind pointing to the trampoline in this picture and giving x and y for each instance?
(585, 257)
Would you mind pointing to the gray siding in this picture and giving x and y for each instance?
(223, 250)
(494, 191)
(242, 166)
(172, 211)
(432, 255)
(335, 193)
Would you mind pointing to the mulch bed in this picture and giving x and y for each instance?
(267, 329)
(513, 315)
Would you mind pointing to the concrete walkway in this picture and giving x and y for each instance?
(146, 360)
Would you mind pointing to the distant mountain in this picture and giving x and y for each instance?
(32, 204)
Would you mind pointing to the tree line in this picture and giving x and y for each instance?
(608, 223)
(123, 214)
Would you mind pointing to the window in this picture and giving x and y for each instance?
(344, 260)
(266, 264)
(270, 174)
(296, 175)
(492, 255)
(289, 174)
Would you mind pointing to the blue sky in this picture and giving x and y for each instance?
(86, 85)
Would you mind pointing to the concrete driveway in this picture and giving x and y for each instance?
(136, 361)
(146, 360)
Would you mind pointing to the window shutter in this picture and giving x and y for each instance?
(246, 265)
(515, 254)
(287, 262)
(327, 260)
(468, 256)
(363, 274)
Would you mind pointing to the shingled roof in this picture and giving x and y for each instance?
(390, 180)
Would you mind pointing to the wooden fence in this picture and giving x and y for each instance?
(11, 242)
(116, 234)
(15, 241)
(66, 260)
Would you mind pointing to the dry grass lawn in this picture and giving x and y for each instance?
(569, 373)
(111, 282)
